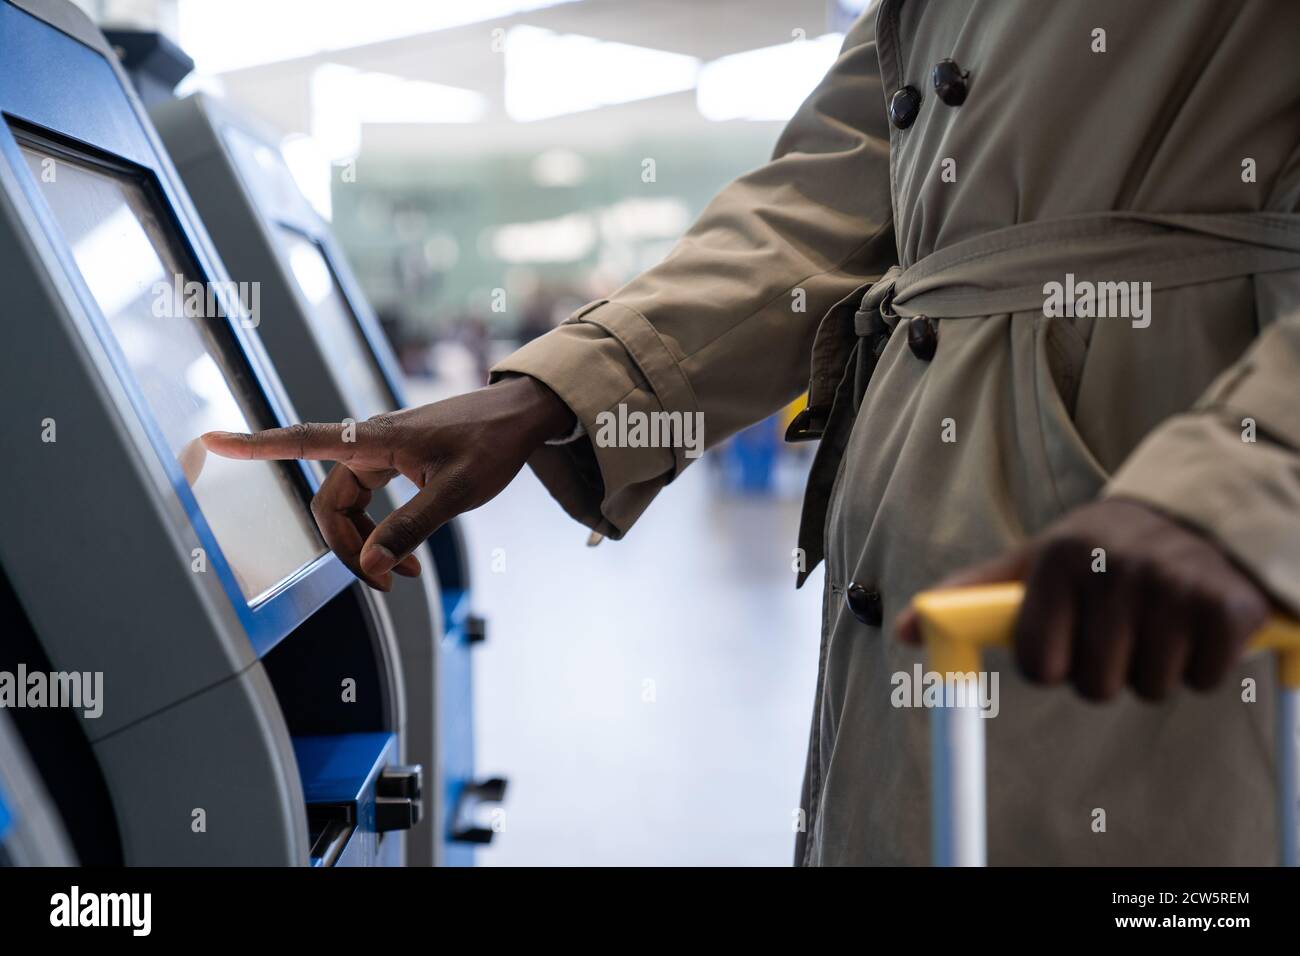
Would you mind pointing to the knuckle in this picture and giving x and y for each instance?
(383, 427)
(298, 433)
(381, 436)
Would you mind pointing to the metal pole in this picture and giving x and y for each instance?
(957, 787)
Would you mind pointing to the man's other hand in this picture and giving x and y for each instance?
(1169, 606)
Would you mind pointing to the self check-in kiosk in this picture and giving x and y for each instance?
(251, 688)
(31, 833)
(336, 364)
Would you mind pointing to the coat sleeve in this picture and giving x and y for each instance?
(723, 327)
(1231, 466)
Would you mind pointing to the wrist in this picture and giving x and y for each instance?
(541, 413)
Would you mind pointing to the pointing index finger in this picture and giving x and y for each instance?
(307, 440)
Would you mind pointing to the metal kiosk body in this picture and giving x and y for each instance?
(251, 688)
(337, 364)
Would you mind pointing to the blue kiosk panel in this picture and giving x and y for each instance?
(6, 818)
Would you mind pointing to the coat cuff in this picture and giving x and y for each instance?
(603, 357)
(1244, 495)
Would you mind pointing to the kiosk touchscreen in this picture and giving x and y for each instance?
(127, 258)
(251, 690)
(336, 364)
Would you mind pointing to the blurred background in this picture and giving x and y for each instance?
(489, 166)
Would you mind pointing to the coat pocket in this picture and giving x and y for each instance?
(1061, 347)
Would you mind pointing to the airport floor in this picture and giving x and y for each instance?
(648, 699)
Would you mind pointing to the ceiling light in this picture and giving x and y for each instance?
(343, 98)
(769, 83)
(551, 74)
(235, 34)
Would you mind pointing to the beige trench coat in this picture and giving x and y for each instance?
(1054, 135)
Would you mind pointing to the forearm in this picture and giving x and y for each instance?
(721, 331)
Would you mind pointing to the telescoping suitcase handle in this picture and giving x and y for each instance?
(957, 624)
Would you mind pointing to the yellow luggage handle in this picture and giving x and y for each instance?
(958, 623)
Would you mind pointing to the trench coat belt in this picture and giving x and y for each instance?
(1003, 272)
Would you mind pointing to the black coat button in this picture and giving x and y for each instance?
(865, 605)
(950, 82)
(922, 337)
(903, 107)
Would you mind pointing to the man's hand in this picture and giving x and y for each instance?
(1169, 607)
(460, 453)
